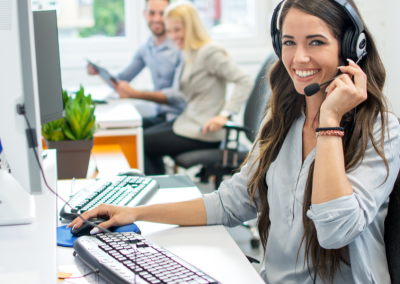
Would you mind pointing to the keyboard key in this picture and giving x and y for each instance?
(126, 262)
(125, 252)
(201, 280)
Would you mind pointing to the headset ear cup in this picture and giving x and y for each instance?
(347, 45)
(278, 45)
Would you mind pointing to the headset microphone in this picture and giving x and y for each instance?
(315, 88)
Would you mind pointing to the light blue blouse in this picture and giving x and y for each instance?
(356, 220)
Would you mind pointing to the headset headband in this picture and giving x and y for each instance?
(354, 44)
(352, 14)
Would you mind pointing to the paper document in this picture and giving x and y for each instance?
(107, 77)
(78, 271)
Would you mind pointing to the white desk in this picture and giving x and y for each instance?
(104, 92)
(210, 249)
(120, 123)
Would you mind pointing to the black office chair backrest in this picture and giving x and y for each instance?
(258, 100)
(392, 233)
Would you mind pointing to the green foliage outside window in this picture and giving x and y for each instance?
(109, 16)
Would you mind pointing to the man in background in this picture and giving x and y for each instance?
(162, 57)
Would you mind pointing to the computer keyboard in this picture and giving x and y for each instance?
(120, 190)
(130, 258)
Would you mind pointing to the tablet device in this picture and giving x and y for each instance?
(104, 74)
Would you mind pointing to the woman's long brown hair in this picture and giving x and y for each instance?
(286, 106)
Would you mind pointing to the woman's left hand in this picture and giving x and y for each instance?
(344, 95)
(214, 124)
(125, 90)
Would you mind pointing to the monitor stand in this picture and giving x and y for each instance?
(17, 206)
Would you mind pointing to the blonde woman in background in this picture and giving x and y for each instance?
(202, 82)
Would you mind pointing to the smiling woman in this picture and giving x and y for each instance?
(313, 43)
(322, 198)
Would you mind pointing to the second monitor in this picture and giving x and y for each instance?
(48, 66)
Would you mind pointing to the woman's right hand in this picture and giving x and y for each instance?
(119, 216)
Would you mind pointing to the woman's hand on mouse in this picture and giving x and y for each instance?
(119, 216)
(343, 95)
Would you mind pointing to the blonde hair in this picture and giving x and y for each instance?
(195, 33)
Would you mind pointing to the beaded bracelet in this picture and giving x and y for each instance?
(329, 128)
(330, 133)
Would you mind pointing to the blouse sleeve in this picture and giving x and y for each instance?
(230, 204)
(338, 222)
(218, 63)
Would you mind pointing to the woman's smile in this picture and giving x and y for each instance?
(305, 75)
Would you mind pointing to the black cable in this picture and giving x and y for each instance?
(90, 273)
(316, 266)
(101, 229)
(44, 178)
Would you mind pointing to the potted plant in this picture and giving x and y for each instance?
(72, 135)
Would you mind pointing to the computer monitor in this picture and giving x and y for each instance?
(18, 86)
(48, 66)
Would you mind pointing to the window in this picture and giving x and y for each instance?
(86, 18)
(228, 18)
(110, 31)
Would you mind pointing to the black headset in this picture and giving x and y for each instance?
(354, 41)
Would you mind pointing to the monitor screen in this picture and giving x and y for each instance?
(19, 87)
(48, 66)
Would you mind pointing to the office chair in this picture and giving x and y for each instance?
(392, 233)
(226, 159)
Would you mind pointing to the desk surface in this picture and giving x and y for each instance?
(209, 248)
(118, 114)
(104, 92)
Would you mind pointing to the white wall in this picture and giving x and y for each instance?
(382, 18)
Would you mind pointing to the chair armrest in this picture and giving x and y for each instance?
(231, 148)
(252, 260)
(232, 126)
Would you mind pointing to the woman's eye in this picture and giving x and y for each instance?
(288, 43)
(317, 42)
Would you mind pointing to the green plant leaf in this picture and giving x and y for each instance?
(68, 133)
(87, 115)
(78, 122)
(88, 128)
(65, 97)
(50, 131)
(45, 135)
(58, 135)
(89, 136)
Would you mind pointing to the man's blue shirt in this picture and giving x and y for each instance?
(162, 60)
